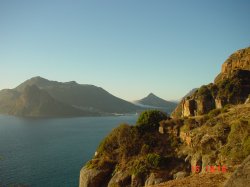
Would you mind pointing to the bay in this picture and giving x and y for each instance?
(50, 152)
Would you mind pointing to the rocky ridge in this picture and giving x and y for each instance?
(231, 86)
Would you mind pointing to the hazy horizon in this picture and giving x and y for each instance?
(128, 48)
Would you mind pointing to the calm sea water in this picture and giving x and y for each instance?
(50, 152)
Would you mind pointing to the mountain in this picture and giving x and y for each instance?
(52, 98)
(153, 101)
(83, 96)
(231, 86)
(35, 102)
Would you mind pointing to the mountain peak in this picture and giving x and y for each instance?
(38, 81)
(151, 95)
(154, 101)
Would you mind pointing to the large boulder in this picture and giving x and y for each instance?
(241, 176)
(120, 179)
(156, 178)
(238, 60)
(91, 177)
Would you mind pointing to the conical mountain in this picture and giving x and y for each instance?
(154, 101)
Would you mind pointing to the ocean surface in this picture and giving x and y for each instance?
(50, 152)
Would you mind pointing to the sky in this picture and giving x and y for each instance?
(130, 48)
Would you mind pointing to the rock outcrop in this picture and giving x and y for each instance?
(238, 60)
(92, 177)
(231, 86)
(156, 178)
(120, 179)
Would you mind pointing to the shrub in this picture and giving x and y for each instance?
(149, 120)
(204, 92)
(238, 143)
(139, 167)
(122, 141)
(153, 160)
(246, 146)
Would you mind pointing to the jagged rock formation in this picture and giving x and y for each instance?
(231, 86)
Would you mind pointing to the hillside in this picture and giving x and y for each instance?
(159, 149)
(82, 96)
(33, 102)
(154, 101)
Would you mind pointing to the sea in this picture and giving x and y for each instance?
(50, 152)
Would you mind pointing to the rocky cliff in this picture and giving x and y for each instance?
(231, 86)
(143, 155)
(238, 60)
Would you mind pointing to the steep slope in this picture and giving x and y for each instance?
(231, 86)
(8, 98)
(177, 112)
(33, 102)
(238, 60)
(154, 101)
(143, 155)
(191, 92)
(87, 97)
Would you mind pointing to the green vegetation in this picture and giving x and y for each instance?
(154, 160)
(221, 137)
(149, 120)
(215, 112)
(122, 140)
(238, 146)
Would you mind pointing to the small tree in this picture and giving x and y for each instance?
(149, 120)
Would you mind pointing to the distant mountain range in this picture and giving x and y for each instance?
(39, 97)
(153, 101)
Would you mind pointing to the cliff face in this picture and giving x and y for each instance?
(231, 86)
(238, 60)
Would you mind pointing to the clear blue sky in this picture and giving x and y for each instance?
(129, 47)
